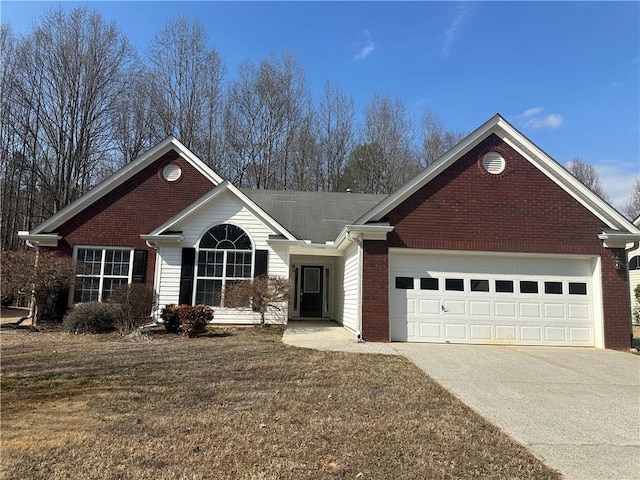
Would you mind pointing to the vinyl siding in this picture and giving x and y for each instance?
(225, 209)
(351, 304)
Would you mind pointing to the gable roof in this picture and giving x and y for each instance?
(225, 186)
(315, 216)
(121, 176)
(543, 162)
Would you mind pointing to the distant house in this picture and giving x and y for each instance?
(495, 242)
(634, 271)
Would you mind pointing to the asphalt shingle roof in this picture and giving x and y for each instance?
(315, 216)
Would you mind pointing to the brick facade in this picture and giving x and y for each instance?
(375, 292)
(518, 210)
(137, 206)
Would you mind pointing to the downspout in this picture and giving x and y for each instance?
(357, 239)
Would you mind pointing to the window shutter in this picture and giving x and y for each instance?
(139, 266)
(186, 276)
(261, 260)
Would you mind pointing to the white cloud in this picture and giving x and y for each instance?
(532, 118)
(453, 31)
(368, 48)
(618, 179)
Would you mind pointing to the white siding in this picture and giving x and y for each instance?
(634, 280)
(169, 259)
(224, 209)
(351, 303)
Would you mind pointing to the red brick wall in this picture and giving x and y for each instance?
(519, 210)
(375, 291)
(136, 207)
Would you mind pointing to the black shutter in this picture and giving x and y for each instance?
(261, 263)
(139, 266)
(186, 276)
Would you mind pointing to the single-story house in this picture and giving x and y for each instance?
(495, 242)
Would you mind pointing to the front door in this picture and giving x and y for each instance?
(311, 292)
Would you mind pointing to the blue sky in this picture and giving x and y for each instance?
(566, 74)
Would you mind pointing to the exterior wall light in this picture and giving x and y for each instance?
(618, 264)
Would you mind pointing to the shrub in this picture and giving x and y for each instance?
(133, 305)
(190, 320)
(92, 317)
(259, 294)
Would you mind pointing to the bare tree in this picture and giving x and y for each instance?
(435, 140)
(632, 207)
(69, 73)
(185, 86)
(386, 147)
(335, 134)
(587, 175)
(265, 108)
(133, 118)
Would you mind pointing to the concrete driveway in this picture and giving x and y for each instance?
(578, 409)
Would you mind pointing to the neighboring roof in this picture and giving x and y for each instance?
(315, 216)
(538, 158)
(121, 176)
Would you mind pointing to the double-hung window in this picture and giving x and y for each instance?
(225, 256)
(100, 272)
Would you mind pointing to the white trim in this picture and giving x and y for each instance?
(223, 187)
(103, 249)
(528, 150)
(122, 175)
(40, 239)
(618, 240)
(366, 232)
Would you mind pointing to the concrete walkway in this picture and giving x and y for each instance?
(578, 409)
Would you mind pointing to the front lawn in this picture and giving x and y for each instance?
(237, 405)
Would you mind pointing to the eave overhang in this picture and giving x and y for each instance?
(35, 240)
(375, 231)
(618, 239)
(168, 239)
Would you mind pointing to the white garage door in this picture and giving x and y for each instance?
(529, 300)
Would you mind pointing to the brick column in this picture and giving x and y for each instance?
(375, 291)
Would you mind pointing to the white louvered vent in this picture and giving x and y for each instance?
(493, 162)
(171, 172)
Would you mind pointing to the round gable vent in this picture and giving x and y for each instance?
(171, 172)
(493, 162)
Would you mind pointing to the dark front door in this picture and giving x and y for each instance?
(311, 292)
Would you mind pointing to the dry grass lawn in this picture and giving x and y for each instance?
(234, 405)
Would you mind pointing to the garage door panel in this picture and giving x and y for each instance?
(580, 335)
(491, 299)
(531, 310)
(429, 307)
(455, 331)
(531, 334)
(505, 309)
(579, 312)
(454, 307)
(431, 331)
(552, 310)
(480, 332)
(506, 332)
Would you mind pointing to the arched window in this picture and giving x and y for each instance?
(225, 255)
(634, 263)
